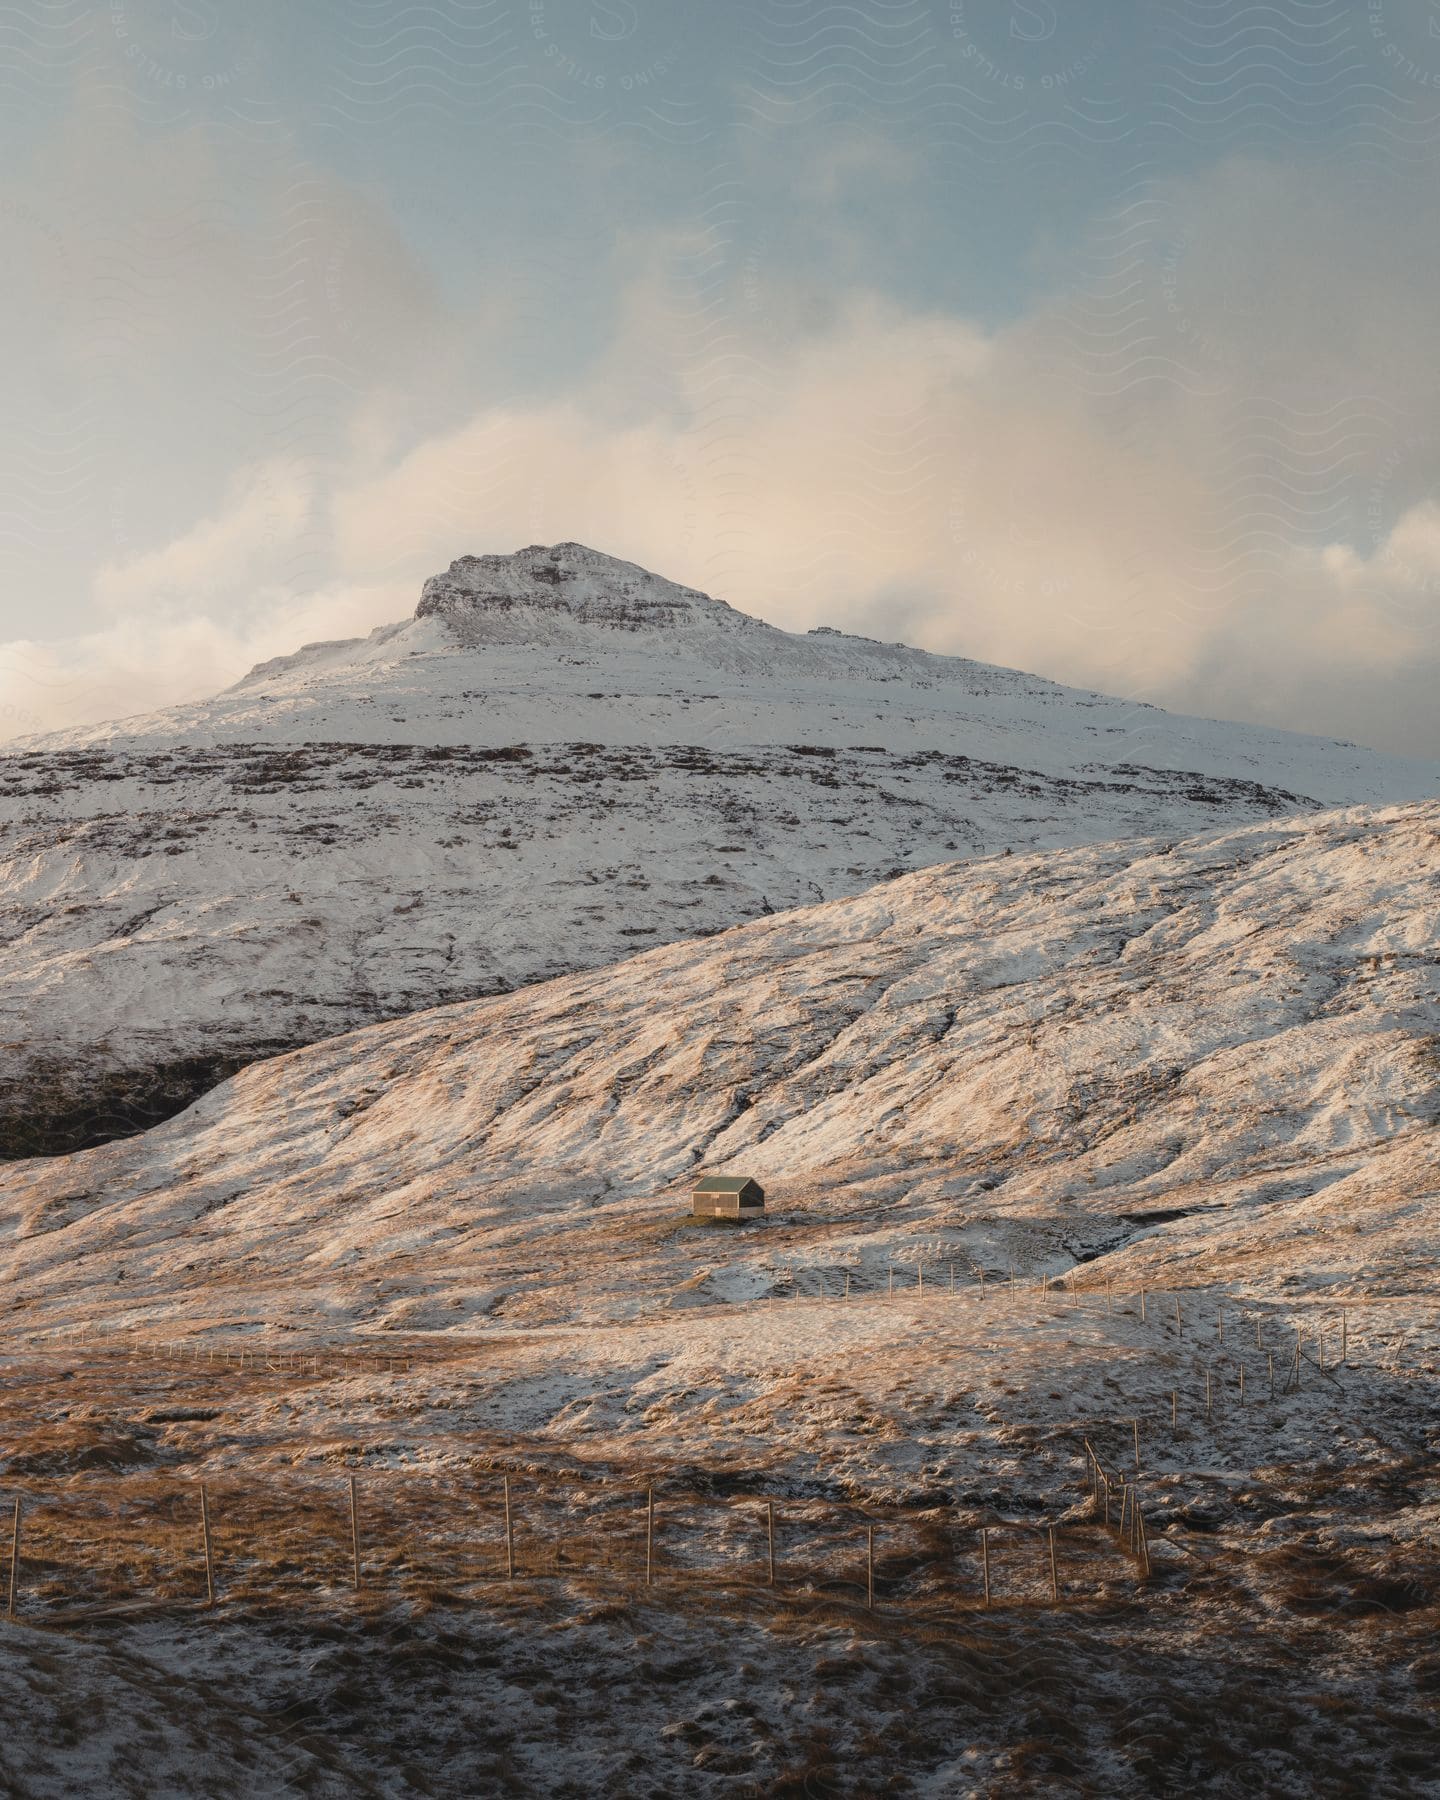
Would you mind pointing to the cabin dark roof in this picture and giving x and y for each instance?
(724, 1184)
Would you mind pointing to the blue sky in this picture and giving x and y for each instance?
(1098, 340)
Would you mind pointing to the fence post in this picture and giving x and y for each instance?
(14, 1558)
(209, 1554)
(509, 1532)
(355, 1532)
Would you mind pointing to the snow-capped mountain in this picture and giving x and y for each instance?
(1207, 1061)
(560, 759)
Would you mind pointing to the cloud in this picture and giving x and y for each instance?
(142, 663)
(220, 559)
(1204, 474)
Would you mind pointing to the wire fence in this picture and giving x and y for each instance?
(255, 1541)
(117, 1538)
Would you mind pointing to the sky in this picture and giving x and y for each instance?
(1100, 340)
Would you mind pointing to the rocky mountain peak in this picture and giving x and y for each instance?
(568, 580)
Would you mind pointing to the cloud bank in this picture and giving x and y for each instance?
(1203, 471)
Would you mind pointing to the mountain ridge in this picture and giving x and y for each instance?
(453, 620)
(533, 775)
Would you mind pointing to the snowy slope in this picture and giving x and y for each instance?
(1210, 1062)
(560, 759)
(1207, 1070)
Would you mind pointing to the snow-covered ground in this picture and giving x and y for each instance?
(1142, 1115)
(1207, 1061)
(559, 760)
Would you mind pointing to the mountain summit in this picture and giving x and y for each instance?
(568, 581)
(561, 758)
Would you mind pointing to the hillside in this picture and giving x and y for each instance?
(1127, 1150)
(1207, 1061)
(560, 759)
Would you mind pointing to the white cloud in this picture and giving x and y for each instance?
(1209, 483)
(141, 663)
(219, 559)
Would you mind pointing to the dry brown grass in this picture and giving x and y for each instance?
(108, 1455)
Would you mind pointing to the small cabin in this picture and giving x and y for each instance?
(727, 1197)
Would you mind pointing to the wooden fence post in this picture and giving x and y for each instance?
(1174, 1406)
(1142, 1306)
(1344, 1340)
(1178, 1325)
(892, 1279)
(509, 1532)
(770, 1537)
(355, 1532)
(649, 1534)
(14, 1558)
(209, 1553)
